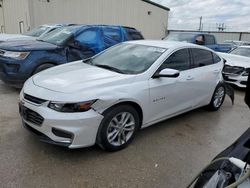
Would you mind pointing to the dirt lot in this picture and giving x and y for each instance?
(168, 154)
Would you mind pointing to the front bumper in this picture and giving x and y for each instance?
(15, 72)
(238, 80)
(82, 127)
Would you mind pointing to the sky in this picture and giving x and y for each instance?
(185, 14)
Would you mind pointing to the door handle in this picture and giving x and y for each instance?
(190, 78)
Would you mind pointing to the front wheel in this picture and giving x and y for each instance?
(118, 128)
(43, 67)
(218, 98)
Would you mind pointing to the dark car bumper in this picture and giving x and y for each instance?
(240, 149)
(11, 73)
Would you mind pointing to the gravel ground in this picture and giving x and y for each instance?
(168, 154)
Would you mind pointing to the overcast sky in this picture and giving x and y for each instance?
(184, 14)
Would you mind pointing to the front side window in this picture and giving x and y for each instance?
(88, 36)
(128, 58)
(202, 57)
(241, 51)
(179, 60)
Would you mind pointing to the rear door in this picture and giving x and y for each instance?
(112, 35)
(206, 73)
(172, 95)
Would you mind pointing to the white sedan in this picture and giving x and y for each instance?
(105, 100)
(237, 67)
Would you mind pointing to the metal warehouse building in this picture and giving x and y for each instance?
(17, 16)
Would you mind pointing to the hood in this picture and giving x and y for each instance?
(27, 45)
(14, 37)
(77, 77)
(236, 60)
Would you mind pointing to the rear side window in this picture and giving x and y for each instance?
(217, 59)
(179, 60)
(88, 36)
(209, 39)
(112, 33)
(133, 34)
(202, 57)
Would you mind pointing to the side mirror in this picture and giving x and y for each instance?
(167, 73)
(200, 42)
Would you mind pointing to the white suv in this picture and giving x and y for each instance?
(105, 100)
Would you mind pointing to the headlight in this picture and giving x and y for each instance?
(71, 107)
(16, 55)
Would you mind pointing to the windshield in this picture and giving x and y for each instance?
(128, 58)
(241, 51)
(38, 31)
(59, 36)
(182, 37)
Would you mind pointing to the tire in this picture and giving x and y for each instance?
(218, 98)
(43, 67)
(113, 134)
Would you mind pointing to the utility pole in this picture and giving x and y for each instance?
(200, 26)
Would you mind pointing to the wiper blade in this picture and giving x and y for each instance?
(87, 61)
(110, 68)
(40, 40)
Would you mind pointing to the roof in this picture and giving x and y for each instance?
(165, 44)
(156, 4)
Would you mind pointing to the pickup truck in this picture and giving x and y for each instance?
(21, 59)
(204, 39)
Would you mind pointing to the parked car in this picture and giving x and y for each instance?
(21, 59)
(109, 97)
(237, 43)
(205, 39)
(237, 67)
(39, 31)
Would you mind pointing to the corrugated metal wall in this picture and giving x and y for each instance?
(149, 19)
(15, 14)
(222, 36)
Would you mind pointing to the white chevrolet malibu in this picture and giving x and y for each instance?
(105, 100)
(237, 67)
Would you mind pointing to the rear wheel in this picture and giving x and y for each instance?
(118, 128)
(218, 98)
(43, 67)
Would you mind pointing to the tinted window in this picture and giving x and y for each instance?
(132, 34)
(217, 59)
(87, 37)
(179, 60)
(202, 57)
(210, 40)
(112, 33)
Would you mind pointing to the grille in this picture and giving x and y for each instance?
(233, 70)
(34, 99)
(31, 116)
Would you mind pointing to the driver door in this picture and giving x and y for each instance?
(169, 96)
(84, 45)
